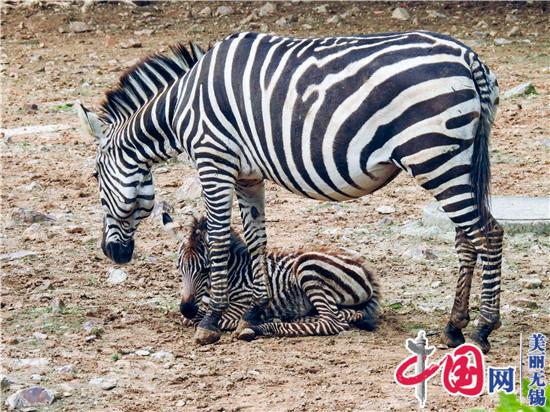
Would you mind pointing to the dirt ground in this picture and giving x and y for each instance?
(45, 67)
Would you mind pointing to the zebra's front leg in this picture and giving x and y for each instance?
(489, 248)
(460, 316)
(251, 197)
(218, 198)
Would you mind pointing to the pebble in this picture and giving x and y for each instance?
(78, 27)
(66, 369)
(40, 336)
(163, 356)
(142, 352)
(5, 382)
(499, 41)
(31, 362)
(282, 22)
(36, 377)
(88, 325)
(90, 338)
(116, 276)
(104, 383)
(130, 44)
(22, 215)
(322, 9)
(57, 305)
(520, 90)
(419, 253)
(266, 10)
(191, 189)
(334, 19)
(532, 283)
(206, 12)
(515, 31)
(436, 284)
(400, 13)
(30, 398)
(224, 11)
(525, 303)
(436, 15)
(35, 233)
(385, 210)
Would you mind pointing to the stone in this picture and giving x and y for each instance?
(57, 305)
(520, 90)
(267, 10)
(40, 336)
(22, 215)
(516, 213)
(400, 13)
(224, 11)
(17, 255)
(78, 27)
(282, 22)
(90, 338)
(205, 12)
(116, 276)
(191, 189)
(130, 44)
(531, 283)
(31, 187)
(163, 356)
(499, 41)
(30, 398)
(5, 382)
(142, 352)
(385, 210)
(67, 369)
(36, 377)
(514, 31)
(436, 15)
(334, 19)
(525, 303)
(419, 253)
(31, 362)
(35, 233)
(104, 383)
(89, 325)
(322, 9)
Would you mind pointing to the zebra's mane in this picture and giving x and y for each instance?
(147, 79)
(197, 238)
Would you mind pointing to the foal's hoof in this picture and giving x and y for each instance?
(481, 341)
(452, 336)
(241, 326)
(247, 334)
(206, 336)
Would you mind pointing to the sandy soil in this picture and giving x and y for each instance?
(51, 173)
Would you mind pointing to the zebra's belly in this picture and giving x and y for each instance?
(291, 306)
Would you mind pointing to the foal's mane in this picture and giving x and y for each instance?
(147, 79)
(197, 237)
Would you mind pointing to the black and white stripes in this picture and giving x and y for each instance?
(328, 118)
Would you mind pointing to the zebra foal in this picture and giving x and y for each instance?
(332, 118)
(314, 292)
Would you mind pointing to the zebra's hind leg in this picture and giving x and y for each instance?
(251, 197)
(488, 244)
(460, 316)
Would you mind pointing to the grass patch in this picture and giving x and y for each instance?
(65, 107)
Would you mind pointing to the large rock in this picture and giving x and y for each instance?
(30, 398)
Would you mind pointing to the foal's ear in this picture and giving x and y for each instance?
(92, 125)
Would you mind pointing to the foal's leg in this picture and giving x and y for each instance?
(460, 315)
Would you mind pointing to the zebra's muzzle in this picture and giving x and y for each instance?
(119, 252)
(189, 309)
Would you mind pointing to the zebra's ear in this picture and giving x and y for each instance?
(91, 124)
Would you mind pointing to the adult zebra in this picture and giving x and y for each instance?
(328, 118)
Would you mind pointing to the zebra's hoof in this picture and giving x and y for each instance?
(241, 326)
(206, 336)
(452, 336)
(480, 338)
(247, 334)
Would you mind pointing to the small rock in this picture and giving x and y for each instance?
(515, 31)
(116, 276)
(5, 382)
(130, 44)
(206, 12)
(532, 283)
(191, 189)
(334, 19)
(181, 403)
(400, 13)
(103, 383)
(35, 233)
(520, 90)
(74, 229)
(31, 362)
(89, 325)
(40, 336)
(282, 22)
(17, 255)
(90, 338)
(499, 41)
(144, 32)
(436, 15)
(419, 253)
(57, 305)
(66, 369)
(385, 210)
(78, 27)
(267, 10)
(30, 398)
(142, 352)
(33, 185)
(322, 9)
(482, 24)
(525, 303)
(436, 284)
(163, 356)
(36, 377)
(21, 215)
(161, 170)
(224, 11)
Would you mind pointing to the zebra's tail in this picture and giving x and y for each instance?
(371, 310)
(487, 87)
